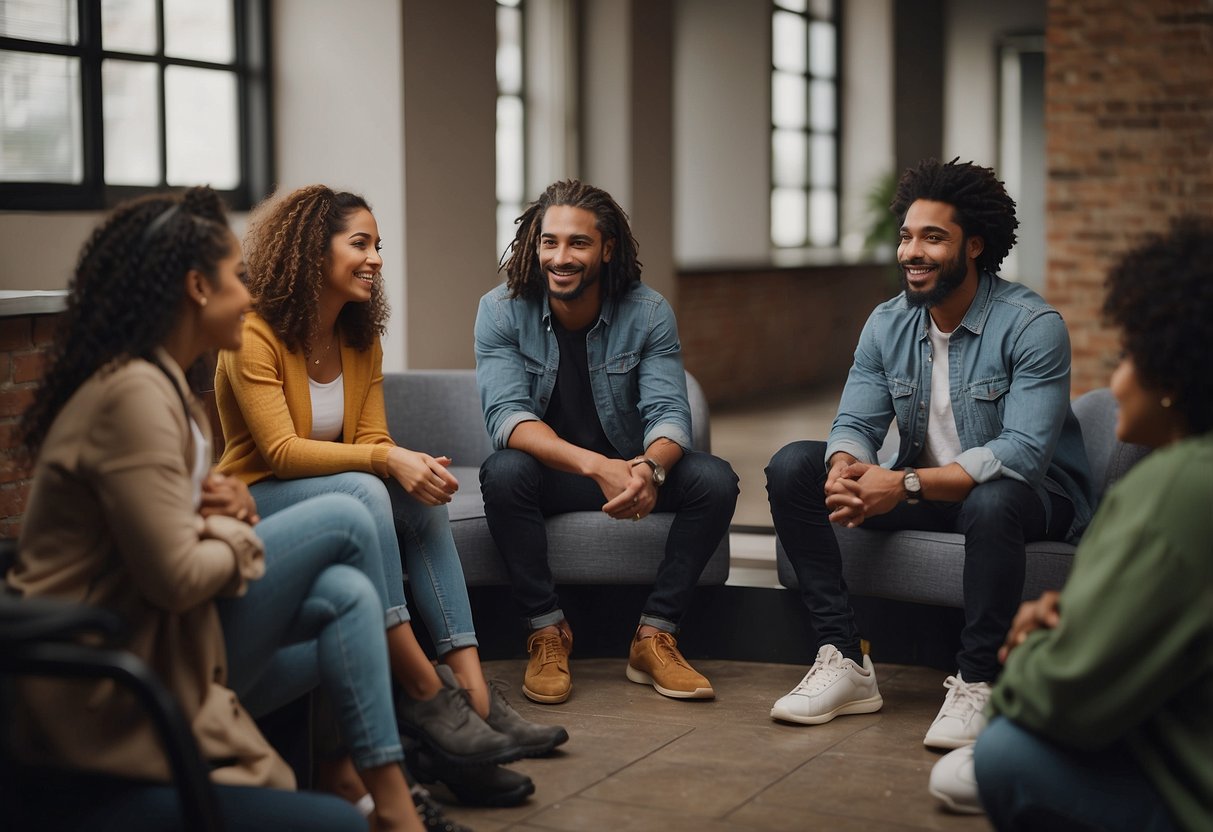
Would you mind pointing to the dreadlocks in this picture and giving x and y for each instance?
(979, 200)
(523, 275)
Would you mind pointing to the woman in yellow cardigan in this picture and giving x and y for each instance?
(301, 404)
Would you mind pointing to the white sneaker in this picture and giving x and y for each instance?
(960, 719)
(953, 782)
(833, 686)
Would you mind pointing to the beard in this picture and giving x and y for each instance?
(588, 278)
(950, 275)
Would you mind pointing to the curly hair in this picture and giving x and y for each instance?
(981, 205)
(126, 295)
(521, 259)
(1160, 296)
(285, 251)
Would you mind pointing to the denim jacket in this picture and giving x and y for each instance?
(635, 364)
(1009, 376)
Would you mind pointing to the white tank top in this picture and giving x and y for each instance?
(328, 408)
(943, 442)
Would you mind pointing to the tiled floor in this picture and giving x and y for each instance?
(637, 761)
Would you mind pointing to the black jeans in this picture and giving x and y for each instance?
(519, 492)
(997, 519)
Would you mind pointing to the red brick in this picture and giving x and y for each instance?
(15, 333)
(28, 366)
(13, 497)
(45, 328)
(14, 401)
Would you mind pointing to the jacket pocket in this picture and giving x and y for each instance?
(903, 395)
(988, 398)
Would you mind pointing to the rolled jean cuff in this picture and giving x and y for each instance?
(395, 616)
(663, 624)
(458, 641)
(375, 757)
(546, 620)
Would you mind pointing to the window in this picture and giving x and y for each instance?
(511, 121)
(804, 123)
(104, 99)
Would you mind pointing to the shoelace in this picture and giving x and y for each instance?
(667, 650)
(963, 698)
(821, 674)
(550, 648)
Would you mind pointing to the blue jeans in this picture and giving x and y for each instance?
(519, 492)
(401, 522)
(997, 519)
(1028, 783)
(315, 620)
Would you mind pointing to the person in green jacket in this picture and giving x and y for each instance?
(1103, 716)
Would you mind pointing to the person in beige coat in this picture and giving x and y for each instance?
(126, 514)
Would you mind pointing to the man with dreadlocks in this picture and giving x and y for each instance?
(584, 395)
(976, 371)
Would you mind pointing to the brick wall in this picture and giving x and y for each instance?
(23, 343)
(1129, 120)
(756, 331)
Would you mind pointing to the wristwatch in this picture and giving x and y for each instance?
(913, 486)
(658, 470)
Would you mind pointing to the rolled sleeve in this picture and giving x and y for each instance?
(664, 405)
(501, 375)
(865, 410)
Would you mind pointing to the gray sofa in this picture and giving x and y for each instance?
(438, 412)
(928, 567)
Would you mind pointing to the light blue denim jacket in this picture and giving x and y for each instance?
(635, 363)
(1009, 376)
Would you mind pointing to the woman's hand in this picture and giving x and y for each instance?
(1041, 614)
(423, 477)
(228, 496)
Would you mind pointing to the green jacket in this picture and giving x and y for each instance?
(1132, 659)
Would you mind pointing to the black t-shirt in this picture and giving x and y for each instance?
(572, 413)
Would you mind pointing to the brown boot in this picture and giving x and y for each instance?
(547, 678)
(655, 661)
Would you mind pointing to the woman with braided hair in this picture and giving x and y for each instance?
(302, 409)
(126, 514)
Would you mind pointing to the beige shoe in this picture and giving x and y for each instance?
(655, 661)
(547, 679)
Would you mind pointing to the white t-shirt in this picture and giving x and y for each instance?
(328, 408)
(202, 462)
(943, 442)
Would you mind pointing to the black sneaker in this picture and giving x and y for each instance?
(470, 785)
(534, 739)
(431, 816)
(448, 727)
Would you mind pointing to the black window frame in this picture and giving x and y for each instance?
(251, 65)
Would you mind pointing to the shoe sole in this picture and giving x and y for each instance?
(952, 806)
(642, 678)
(545, 698)
(947, 743)
(509, 754)
(863, 706)
(475, 797)
(543, 749)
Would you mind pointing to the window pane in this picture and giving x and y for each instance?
(823, 161)
(130, 102)
(789, 158)
(40, 135)
(789, 214)
(821, 96)
(129, 26)
(510, 140)
(793, 5)
(199, 29)
(821, 50)
(822, 9)
(789, 42)
(509, 51)
(202, 125)
(823, 217)
(53, 21)
(788, 100)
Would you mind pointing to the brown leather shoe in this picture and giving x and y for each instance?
(547, 678)
(655, 661)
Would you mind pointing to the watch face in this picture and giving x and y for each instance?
(658, 476)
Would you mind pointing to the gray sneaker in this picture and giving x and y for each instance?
(450, 729)
(534, 739)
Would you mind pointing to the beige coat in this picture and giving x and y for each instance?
(112, 522)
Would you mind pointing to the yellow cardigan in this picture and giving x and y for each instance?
(265, 408)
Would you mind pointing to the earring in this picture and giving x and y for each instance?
(1166, 401)
(202, 301)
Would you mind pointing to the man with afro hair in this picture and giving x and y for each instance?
(976, 372)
